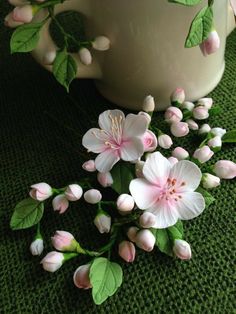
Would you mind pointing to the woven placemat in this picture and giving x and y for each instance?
(35, 148)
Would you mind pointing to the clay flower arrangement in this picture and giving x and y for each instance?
(154, 194)
(29, 17)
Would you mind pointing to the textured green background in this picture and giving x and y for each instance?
(34, 148)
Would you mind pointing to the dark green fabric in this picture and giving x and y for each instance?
(35, 148)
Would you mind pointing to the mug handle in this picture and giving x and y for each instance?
(231, 19)
(46, 45)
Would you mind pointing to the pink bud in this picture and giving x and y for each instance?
(215, 142)
(149, 104)
(127, 251)
(209, 181)
(103, 222)
(211, 44)
(178, 96)
(205, 128)
(165, 141)
(60, 203)
(101, 43)
(125, 203)
(92, 196)
(203, 154)
(173, 160)
(89, 166)
(139, 169)
(10, 22)
(23, 14)
(187, 105)
(200, 113)
(132, 233)
(182, 250)
(73, 192)
(63, 241)
(105, 179)
(85, 56)
(179, 129)
(145, 240)
(218, 132)
(192, 125)
(149, 141)
(147, 220)
(81, 277)
(52, 261)
(40, 191)
(225, 169)
(205, 102)
(180, 153)
(146, 115)
(173, 114)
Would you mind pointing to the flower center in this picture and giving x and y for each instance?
(170, 190)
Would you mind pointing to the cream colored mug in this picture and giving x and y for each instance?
(147, 54)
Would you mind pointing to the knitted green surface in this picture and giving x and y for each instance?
(35, 148)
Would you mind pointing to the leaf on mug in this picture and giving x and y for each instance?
(186, 2)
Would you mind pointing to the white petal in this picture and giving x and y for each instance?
(105, 119)
(187, 172)
(144, 193)
(132, 149)
(156, 169)
(190, 206)
(94, 140)
(166, 215)
(106, 160)
(135, 125)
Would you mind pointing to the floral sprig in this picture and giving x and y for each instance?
(155, 194)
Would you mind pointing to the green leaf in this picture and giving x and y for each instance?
(122, 174)
(200, 27)
(186, 2)
(165, 237)
(106, 277)
(209, 199)
(229, 137)
(215, 111)
(25, 37)
(64, 68)
(26, 214)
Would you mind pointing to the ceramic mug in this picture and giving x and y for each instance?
(147, 54)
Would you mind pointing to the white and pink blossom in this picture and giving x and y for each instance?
(60, 203)
(173, 114)
(127, 251)
(211, 44)
(182, 249)
(41, 191)
(73, 192)
(165, 141)
(178, 96)
(119, 137)
(225, 169)
(168, 191)
(149, 140)
(179, 129)
(180, 153)
(203, 154)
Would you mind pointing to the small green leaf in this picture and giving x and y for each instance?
(64, 68)
(186, 2)
(122, 174)
(215, 111)
(106, 277)
(200, 27)
(209, 199)
(25, 37)
(26, 214)
(229, 137)
(165, 237)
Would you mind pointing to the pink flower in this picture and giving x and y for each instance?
(149, 141)
(173, 114)
(165, 141)
(105, 179)
(182, 249)
(168, 191)
(52, 261)
(81, 277)
(178, 96)
(41, 191)
(203, 154)
(127, 251)
(89, 166)
(23, 14)
(180, 153)
(118, 138)
(225, 169)
(60, 203)
(211, 44)
(179, 129)
(145, 240)
(200, 113)
(63, 241)
(73, 192)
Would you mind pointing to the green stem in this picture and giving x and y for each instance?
(68, 256)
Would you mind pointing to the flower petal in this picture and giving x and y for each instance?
(106, 160)
(190, 205)
(156, 169)
(144, 193)
(187, 172)
(131, 149)
(166, 214)
(107, 118)
(135, 125)
(94, 140)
